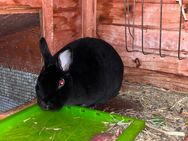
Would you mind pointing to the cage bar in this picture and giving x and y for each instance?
(128, 25)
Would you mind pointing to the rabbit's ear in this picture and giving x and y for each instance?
(65, 59)
(45, 52)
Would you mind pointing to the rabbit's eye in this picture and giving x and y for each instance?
(61, 83)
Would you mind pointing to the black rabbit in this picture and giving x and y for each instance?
(86, 72)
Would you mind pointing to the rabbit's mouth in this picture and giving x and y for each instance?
(48, 105)
(43, 105)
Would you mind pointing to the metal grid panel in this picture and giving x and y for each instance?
(132, 33)
(16, 88)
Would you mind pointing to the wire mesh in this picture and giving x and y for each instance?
(128, 24)
(16, 88)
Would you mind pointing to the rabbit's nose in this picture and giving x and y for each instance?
(49, 104)
(47, 107)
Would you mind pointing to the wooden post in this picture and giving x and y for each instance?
(89, 18)
(47, 22)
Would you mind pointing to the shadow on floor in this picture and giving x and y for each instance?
(120, 104)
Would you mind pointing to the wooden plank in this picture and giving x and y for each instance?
(18, 11)
(31, 3)
(169, 42)
(64, 37)
(63, 4)
(113, 13)
(158, 1)
(67, 22)
(17, 109)
(115, 36)
(89, 18)
(145, 1)
(164, 1)
(159, 79)
(47, 22)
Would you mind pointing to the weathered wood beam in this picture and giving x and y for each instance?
(47, 22)
(30, 3)
(18, 11)
(169, 81)
(17, 109)
(89, 18)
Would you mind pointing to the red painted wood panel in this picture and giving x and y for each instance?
(113, 13)
(111, 27)
(67, 22)
(169, 42)
(115, 36)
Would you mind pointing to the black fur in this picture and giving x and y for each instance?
(94, 76)
(45, 52)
